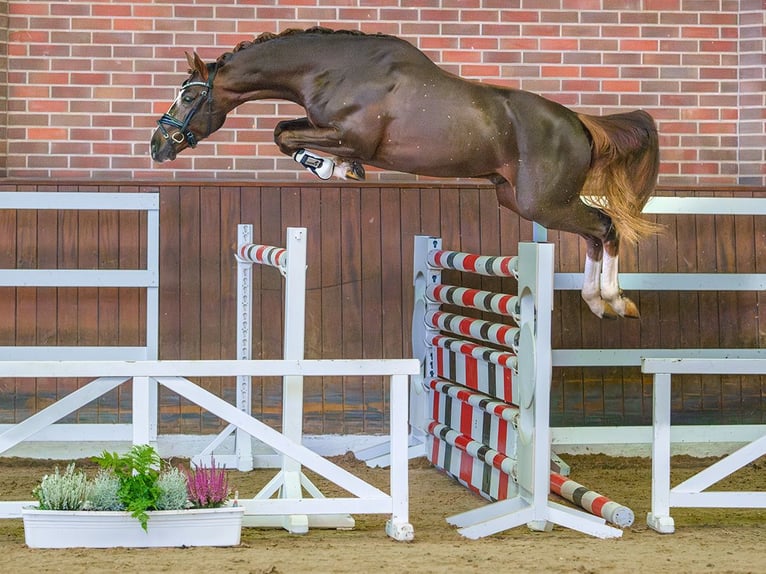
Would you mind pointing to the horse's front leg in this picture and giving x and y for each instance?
(294, 136)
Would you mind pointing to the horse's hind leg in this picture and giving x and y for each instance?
(610, 288)
(601, 289)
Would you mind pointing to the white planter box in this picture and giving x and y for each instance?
(109, 529)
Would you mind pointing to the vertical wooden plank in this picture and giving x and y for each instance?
(45, 298)
(351, 292)
(190, 299)
(332, 305)
(87, 297)
(395, 262)
(26, 308)
(7, 311)
(131, 319)
(747, 314)
(108, 325)
(67, 300)
(210, 307)
(431, 211)
(411, 224)
(170, 298)
(707, 262)
(312, 387)
(374, 282)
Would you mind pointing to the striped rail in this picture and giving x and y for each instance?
(472, 433)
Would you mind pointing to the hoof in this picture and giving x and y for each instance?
(349, 170)
(631, 310)
(608, 312)
(601, 308)
(355, 171)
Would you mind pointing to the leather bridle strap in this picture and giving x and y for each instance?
(205, 95)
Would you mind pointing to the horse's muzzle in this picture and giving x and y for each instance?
(162, 148)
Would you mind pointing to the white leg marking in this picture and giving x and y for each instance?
(591, 293)
(610, 289)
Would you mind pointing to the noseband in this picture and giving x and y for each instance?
(184, 132)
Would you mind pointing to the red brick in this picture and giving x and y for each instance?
(26, 37)
(48, 134)
(29, 8)
(49, 106)
(639, 45)
(559, 44)
(621, 86)
(599, 99)
(478, 43)
(519, 16)
(560, 71)
(581, 5)
(478, 16)
(541, 58)
(479, 71)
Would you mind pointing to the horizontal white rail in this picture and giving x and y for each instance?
(80, 201)
(79, 278)
(673, 281)
(706, 205)
(210, 368)
(633, 357)
(704, 366)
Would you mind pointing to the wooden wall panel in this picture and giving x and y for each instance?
(359, 296)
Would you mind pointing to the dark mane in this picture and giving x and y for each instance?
(268, 36)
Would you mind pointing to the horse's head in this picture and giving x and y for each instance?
(193, 116)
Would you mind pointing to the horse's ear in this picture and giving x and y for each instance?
(197, 65)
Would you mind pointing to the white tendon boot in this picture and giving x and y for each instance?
(321, 167)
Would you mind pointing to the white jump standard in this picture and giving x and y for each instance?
(482, 412)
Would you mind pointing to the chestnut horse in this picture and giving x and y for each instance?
(378, 100)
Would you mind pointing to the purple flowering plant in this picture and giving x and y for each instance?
(208, 486)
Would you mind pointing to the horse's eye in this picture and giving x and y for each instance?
(187, 99)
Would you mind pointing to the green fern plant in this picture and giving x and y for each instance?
(138, 472)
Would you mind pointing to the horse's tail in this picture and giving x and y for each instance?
(624, 168)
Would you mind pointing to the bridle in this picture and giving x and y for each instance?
(184, 132)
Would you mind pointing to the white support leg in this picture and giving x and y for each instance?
(144, 411)
(399, 527)
(292, 386)
(659, 518)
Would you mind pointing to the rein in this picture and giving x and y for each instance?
(184, 132)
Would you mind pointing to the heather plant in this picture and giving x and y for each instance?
(67, 491)
(173, 490)
(208, 486)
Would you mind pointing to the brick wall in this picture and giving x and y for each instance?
(87, 80)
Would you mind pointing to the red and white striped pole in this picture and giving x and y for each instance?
(591, 501)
